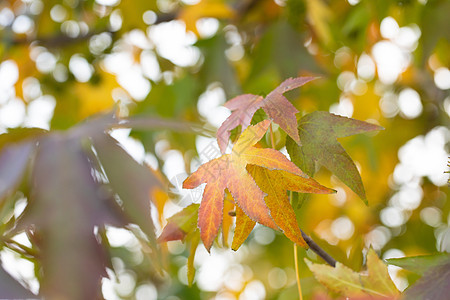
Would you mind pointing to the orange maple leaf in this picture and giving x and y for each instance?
(228, 171)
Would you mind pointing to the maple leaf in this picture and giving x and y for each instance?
(180, 224)
(14, 160)
(131, 181)
(343, 280)
(422, 263)
(194, 241)
(183, 226)
(435, 283)
(229, 171)
(318, 133)
(244, 225)
(274, 104)
(71, 255)
(275, 183)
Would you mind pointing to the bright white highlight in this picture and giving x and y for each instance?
(366, 67)
(392, 217)
(391, 61)
(343, 108)
(178, 48)
(40, 112)
(409, 103)
(12, 113)
(23, 24)
(134, 83)
(393, 56)
(425, 156)
(210, 103)
(80, 68)
(389, 28)
(442, 78)
(207, 27)
(342, 228)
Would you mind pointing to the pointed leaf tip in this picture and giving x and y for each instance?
(319, 132)
(243, 108)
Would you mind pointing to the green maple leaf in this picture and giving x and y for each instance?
(318, 133)
(181, 224)
(420, 264)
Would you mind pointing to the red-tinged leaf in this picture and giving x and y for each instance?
(275, 183)
(435, 284)
(183, 226)
(228, 171)
(375, 283)
(275, 105)
(243, 108)
(65, 206)
(211, 212)
(319, 132)
(13, 161)
(180, 224)
(244, 226)
(281, 110)
(11, 289)
(171, 232)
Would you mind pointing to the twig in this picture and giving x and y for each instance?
(63, 40)
(244, 7)
(318, 250)
(59, 40)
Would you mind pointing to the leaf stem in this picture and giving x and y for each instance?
(297, 275)
(271, 136)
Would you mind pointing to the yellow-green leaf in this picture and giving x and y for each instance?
(343, 280)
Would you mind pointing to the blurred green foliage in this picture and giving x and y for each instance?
(385, 62)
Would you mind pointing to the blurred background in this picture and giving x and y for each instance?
(385, 62)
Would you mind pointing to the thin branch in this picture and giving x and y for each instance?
(63, 40)
(245, 7)
(59, 40)
(318, 250)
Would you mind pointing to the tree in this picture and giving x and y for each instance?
(113, 112)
